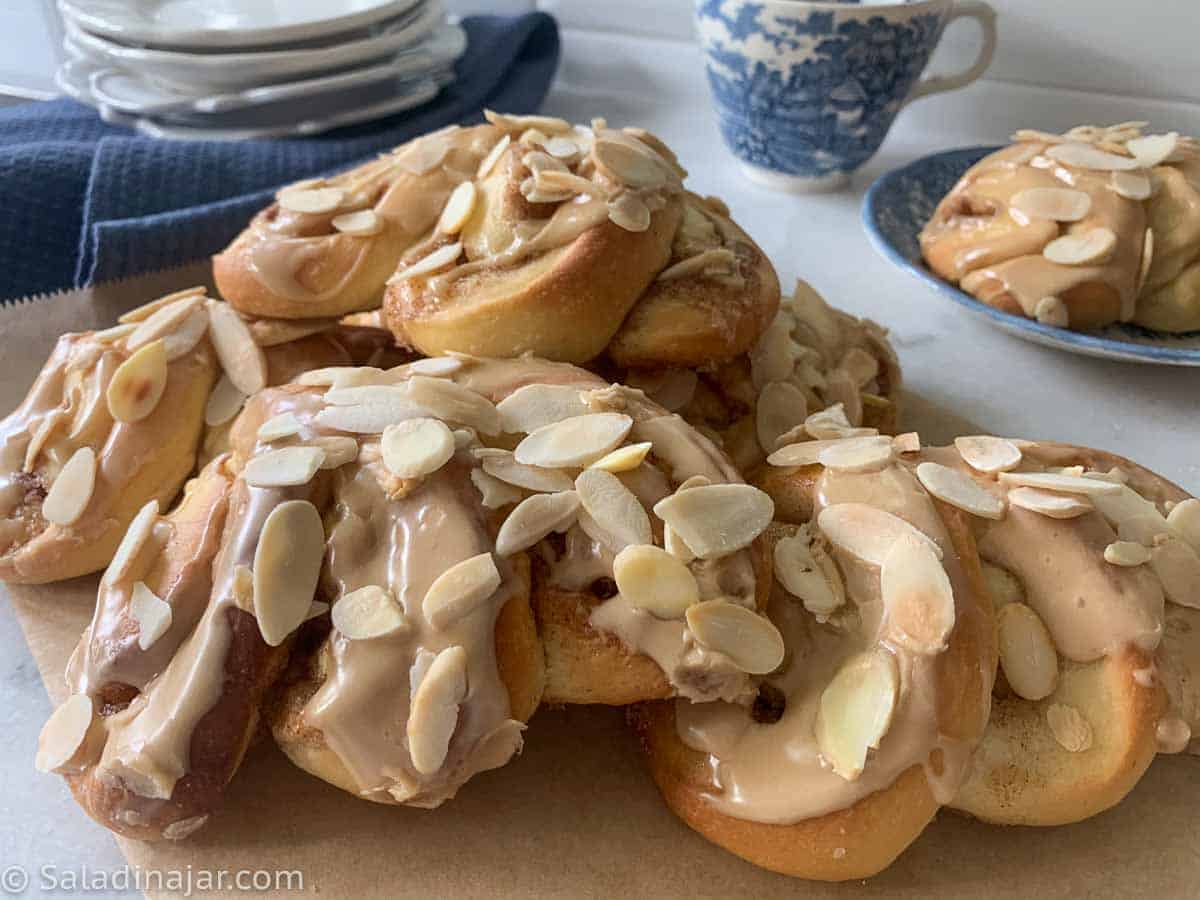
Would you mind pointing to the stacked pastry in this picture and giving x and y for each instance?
(618, 470)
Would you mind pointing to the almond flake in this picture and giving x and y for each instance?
(494, 493)
(434, 366)
(1177, 566)
(1142, 528)
(114, 334)
(805, 453)
(136, 535)
(460, 590)
(1126, 553)
(532, 478)
(1003, 586)
(184, 339)
(283, 467)
(1184, 520)
(1085, 156)
(654, 580)
(455, 403)
(985, 453)
(369, 612)
(781, 407)
(1056, 204)
(719, 519)
(1053, 312)
(807, 571)
(40, 435)
(278, 427)
(917, 596)
(573, 442)
(614, 508)
(856, 711)
(860, 365)
(832, 423)
(675, 545)
(417, 447)
(562, 147)
(1047, 503)
(287, 563)
(273, 332)
(64, 734)
(867, 532)
(1069, 728)
(143, 312)
(629, 212)
(1131, 185)
(1147, 258)
(1153, 149)
(864, 454)
(1027, 653)
(625, 164)
(313, 201)
(489, 162)
(241, 358)
(339, 450)
(747, 638)
(623, 459)
(68, 496)
(536, 405)
(426, 153)
(342, 376)
(442, 258)
(909, 442)
(518, 124)
(317, 609)
(458, 209)
(774, 356)
(151, 612)
(1081, 249)
(434, 712)
(162, 321)
(370, 418)
(1064, 484)
(360, 223)
(534, 518)
(138, 384)
(959, 490)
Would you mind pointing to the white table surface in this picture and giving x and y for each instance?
(951, 362)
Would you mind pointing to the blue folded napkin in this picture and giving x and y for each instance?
(82, 201)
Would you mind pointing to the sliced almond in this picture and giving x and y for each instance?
(863, 454)
(441, 258)
(1177, 566)
(532, 478)
(807, 572)
(143, 312)
(518, 124)
(137, 534)
(71, 491)
(339, 450)
(629, 212)
(360, 223)
(1064, 484)
(614, 508)
(747, 638)
(623, 459)
(534, 518)
(805, 453)
(1027, 652)
(1184, 520)
(1056, 204)
(866, 531)
(368, 394)
(494, 493)
(1131, 185)
(917, 596)
(417, 447)
(909, 442)
(1003, 586)
(1142, 528)
(278, 427)
(273, 332)
(1085, 156)
(151, 612)
(434, 712)
(314, 201)
(287, 563)
(625, 164)
(370, 418)
(675, 545)
(138, 384)
(1081, 249)
(460, 590)
(241, 358)
(191, 331)
(458, 209)
(64, 734)
(1153, 149)
(781, 407)
(163, 321)
(342, 376)
(719, 519)
(573, 442)
(316, 609)
(856, 711)
(1053, 312)
(652, 579)
(774, 357)
(283, 467)
(536, 405)
(562, 147)
(1147, 258)
(426, 153)
(489, 162)
(959, 490)
(829, 424)
(114, 334)
(434, 366)
(1126, 553)
(1069, 728)
(369, 612)
(39, 436)
(1047, 503)
(455, 403)
(985, 453)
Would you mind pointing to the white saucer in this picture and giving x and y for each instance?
(226, 23)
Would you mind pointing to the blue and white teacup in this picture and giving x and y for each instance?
(806, 92)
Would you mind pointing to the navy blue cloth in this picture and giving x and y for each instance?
(82, 201)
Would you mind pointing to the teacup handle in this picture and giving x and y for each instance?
(986, 17)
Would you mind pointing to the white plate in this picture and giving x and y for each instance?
(226, 23)
(122, 90)
(210, 72)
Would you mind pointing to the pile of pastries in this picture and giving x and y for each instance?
(585, 453)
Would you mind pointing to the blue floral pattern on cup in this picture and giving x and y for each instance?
(811, 89)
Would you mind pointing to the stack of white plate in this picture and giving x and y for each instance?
(238, 69)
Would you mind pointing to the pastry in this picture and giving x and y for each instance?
(1079, 231)
(868, 727)
(395, 495)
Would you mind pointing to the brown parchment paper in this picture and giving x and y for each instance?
(575, 815)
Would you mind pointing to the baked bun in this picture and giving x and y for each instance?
(326, 246)
(570, 237)
(867, 728)
(1081, 230)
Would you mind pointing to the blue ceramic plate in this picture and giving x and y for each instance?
(898, 205)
